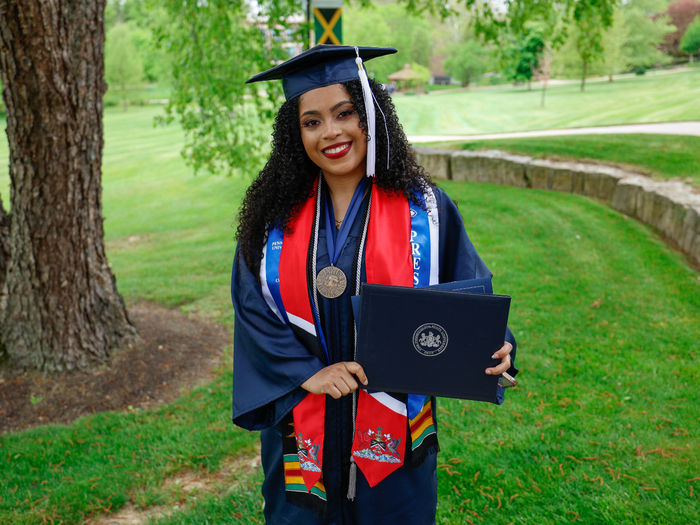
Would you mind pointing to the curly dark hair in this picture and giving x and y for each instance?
(287, 179)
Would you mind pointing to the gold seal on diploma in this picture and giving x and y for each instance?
(331, 282)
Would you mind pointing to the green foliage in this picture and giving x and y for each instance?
(423, 73)
(691, 40)
(645, 32)
(123, 66)
(389, 25)
(127, 11)
(214, 49)
(615, 58)
(467, 61)
(591, 18)
(140, 18)
(681, 14)
(630, 43)
(523, 55)
(156, 63)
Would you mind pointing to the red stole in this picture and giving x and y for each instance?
(380, 434)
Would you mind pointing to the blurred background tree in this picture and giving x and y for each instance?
(389, 25)
(123, 66)
(523, 56)
(681, 13)
(691, 40)
(467, 61)
(647, 28)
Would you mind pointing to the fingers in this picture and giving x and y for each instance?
(336, 380)
(503, 366)
(503, 351)
(356, 369)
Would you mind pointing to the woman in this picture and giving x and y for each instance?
(337, 204)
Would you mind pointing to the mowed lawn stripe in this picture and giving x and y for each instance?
(654, 98)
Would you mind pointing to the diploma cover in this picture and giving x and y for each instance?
(431, 341)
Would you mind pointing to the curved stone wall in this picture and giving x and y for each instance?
(671, 207)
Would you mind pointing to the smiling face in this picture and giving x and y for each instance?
(331, 133)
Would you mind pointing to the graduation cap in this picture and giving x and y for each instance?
(324, 65)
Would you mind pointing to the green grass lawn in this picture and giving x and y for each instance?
(661, 156)
(657, 98)
(602, 429)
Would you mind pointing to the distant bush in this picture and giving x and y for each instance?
(440, 87)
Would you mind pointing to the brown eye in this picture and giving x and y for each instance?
(345, 114)
(311, 123)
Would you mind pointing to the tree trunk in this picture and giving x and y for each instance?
(544, 91)
(59, 307)
(583, 75)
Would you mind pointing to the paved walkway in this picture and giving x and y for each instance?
(663, 128)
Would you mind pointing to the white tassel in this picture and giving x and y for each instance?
(371, 116)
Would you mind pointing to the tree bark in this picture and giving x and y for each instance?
(583, 75)
(59, 307)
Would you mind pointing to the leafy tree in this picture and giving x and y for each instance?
(681, 14)
(691, 40)
(615, 58)
(123, 66)
(214, 48)
(156, 63)
(523, 55)
(489, 20)
(60, 306)
(141, 19)
(591, 18)
(467, 61)
(645, 32)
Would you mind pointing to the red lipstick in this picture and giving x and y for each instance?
(337, 150)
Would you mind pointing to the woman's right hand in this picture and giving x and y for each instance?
(337, 380)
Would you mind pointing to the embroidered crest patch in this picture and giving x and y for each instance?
(308, 454)
(379, 446)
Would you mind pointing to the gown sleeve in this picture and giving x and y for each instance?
(269, 362)
(459, 259)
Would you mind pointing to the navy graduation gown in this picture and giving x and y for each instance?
(270, 364)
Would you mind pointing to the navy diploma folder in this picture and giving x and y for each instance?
(431, 341)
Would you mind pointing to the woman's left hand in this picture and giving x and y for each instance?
(504, 355)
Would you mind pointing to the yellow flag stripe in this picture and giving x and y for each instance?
(418, 431)
(328, 26)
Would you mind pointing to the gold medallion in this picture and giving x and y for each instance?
(331, 282)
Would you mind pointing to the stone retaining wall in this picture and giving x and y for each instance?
(673, 208)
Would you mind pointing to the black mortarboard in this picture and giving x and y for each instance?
(322, 65)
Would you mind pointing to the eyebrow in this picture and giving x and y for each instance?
(316, 112)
